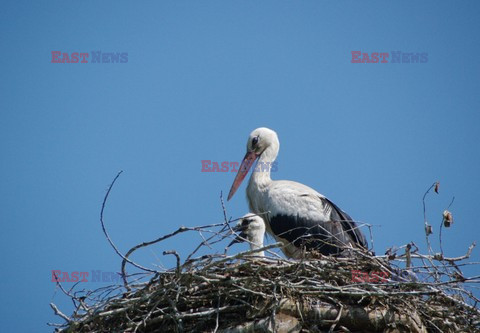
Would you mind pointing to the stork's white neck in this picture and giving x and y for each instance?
(257, 243)
(261, 175)
(260, 180)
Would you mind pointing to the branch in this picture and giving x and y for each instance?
(59, 313)
(428, 228)
(106, 233)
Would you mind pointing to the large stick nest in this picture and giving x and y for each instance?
(248, 293)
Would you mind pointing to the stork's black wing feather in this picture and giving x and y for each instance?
(304, 232)
(348, 224)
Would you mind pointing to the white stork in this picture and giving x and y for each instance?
(294, 214)
(252, 230)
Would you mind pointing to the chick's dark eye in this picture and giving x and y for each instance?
(254, 141)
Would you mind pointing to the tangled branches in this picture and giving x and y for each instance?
(246, 293)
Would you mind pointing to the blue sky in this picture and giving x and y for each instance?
(200, 76)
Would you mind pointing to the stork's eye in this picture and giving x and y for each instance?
(245, 222)
(254, 141)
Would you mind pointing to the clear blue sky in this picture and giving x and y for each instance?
(200, 76)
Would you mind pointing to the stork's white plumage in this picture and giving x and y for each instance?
(251, 228)
(294, 214)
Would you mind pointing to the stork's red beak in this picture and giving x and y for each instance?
(247, 163)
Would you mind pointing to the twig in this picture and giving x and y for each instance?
(427, 226)
(217, 321)
(337, 319)
(106, 233)
(178, 271)
(441, 227)
(59, 313)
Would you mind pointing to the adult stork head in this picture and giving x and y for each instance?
(262, 142)
(250, 228)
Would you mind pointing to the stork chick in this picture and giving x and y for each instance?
(251, 229)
